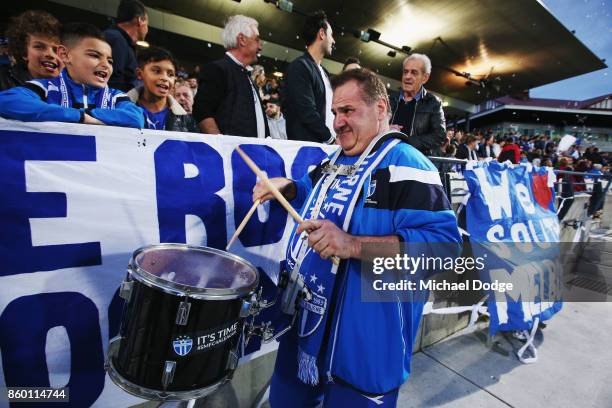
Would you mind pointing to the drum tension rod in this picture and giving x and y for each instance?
(182, 314)
(125, 290)
(168, 374)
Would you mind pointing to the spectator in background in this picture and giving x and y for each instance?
(192, 81)
(596, 156)
(184, 96)
(276, 120)
(510, 151)
(80, 93)
(132, 25)
(157, 71)
(4, 53)
(564, 164)
(416, 112)
(351, 63)
(33, 38)
(497, 145)
(467, 150)
(308, 98)
(258, 76)
(485, 150)
(227, 101)
(581, 166)
(271, 87)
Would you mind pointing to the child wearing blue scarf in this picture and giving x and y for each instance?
(80, 93)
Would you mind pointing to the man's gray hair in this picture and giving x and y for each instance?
(419, 57)
(235, 25)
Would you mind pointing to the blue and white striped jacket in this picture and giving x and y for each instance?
(370, 343)
(61, 99)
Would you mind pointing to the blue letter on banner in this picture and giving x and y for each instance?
(24, 325)
(180, 193)
(17, 206)
(268, 160)
(306, 157)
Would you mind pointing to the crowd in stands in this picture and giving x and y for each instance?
(539, 150)
(78, 73)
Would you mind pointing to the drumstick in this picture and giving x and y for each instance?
(277, 194)
(243, 224)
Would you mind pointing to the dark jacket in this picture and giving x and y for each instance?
(177, 119)
(225, 94)
(124, 59)
(13, 75)
(463, 152)
(482, 151)
(304, 102)
(428, 130)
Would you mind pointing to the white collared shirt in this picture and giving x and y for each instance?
(329, 116)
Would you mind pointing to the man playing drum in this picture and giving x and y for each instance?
(375, 189)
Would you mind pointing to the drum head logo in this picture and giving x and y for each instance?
(182, 345)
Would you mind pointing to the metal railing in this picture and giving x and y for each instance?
(450, 166)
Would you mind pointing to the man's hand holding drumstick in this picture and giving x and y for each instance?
(323, 236)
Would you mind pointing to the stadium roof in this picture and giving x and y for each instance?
(480, 49)
(520, 41)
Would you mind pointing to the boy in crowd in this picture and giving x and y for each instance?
(80, 93)
(33, 38)
(157, 70)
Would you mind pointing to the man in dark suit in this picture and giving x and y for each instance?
(485, 150)
(132, 25)
(467, 150)
(308, 93)
(227, 101)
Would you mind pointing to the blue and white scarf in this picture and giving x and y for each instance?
(103, 99)
(333, 198)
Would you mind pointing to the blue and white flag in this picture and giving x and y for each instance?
(512, 223)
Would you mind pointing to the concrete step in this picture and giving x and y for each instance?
(599, 271)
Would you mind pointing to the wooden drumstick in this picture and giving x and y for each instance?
(277, 194)
(243, 224)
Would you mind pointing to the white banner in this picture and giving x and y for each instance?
(77, 200)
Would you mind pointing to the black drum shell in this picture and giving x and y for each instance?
(148, 328)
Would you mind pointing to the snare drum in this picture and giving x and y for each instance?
(182, 321)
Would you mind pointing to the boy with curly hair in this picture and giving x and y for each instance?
(33, 39)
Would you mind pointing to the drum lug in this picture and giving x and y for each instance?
(125, 291)
(182, 314)
(168, 374)
(232, 360)
(246, 308)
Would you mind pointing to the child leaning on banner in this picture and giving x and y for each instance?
(157, 70)
(80, 93)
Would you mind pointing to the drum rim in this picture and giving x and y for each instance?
(150, 393)
(178, 289)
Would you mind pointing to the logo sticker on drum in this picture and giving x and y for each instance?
(206, 340)
(182, 345)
